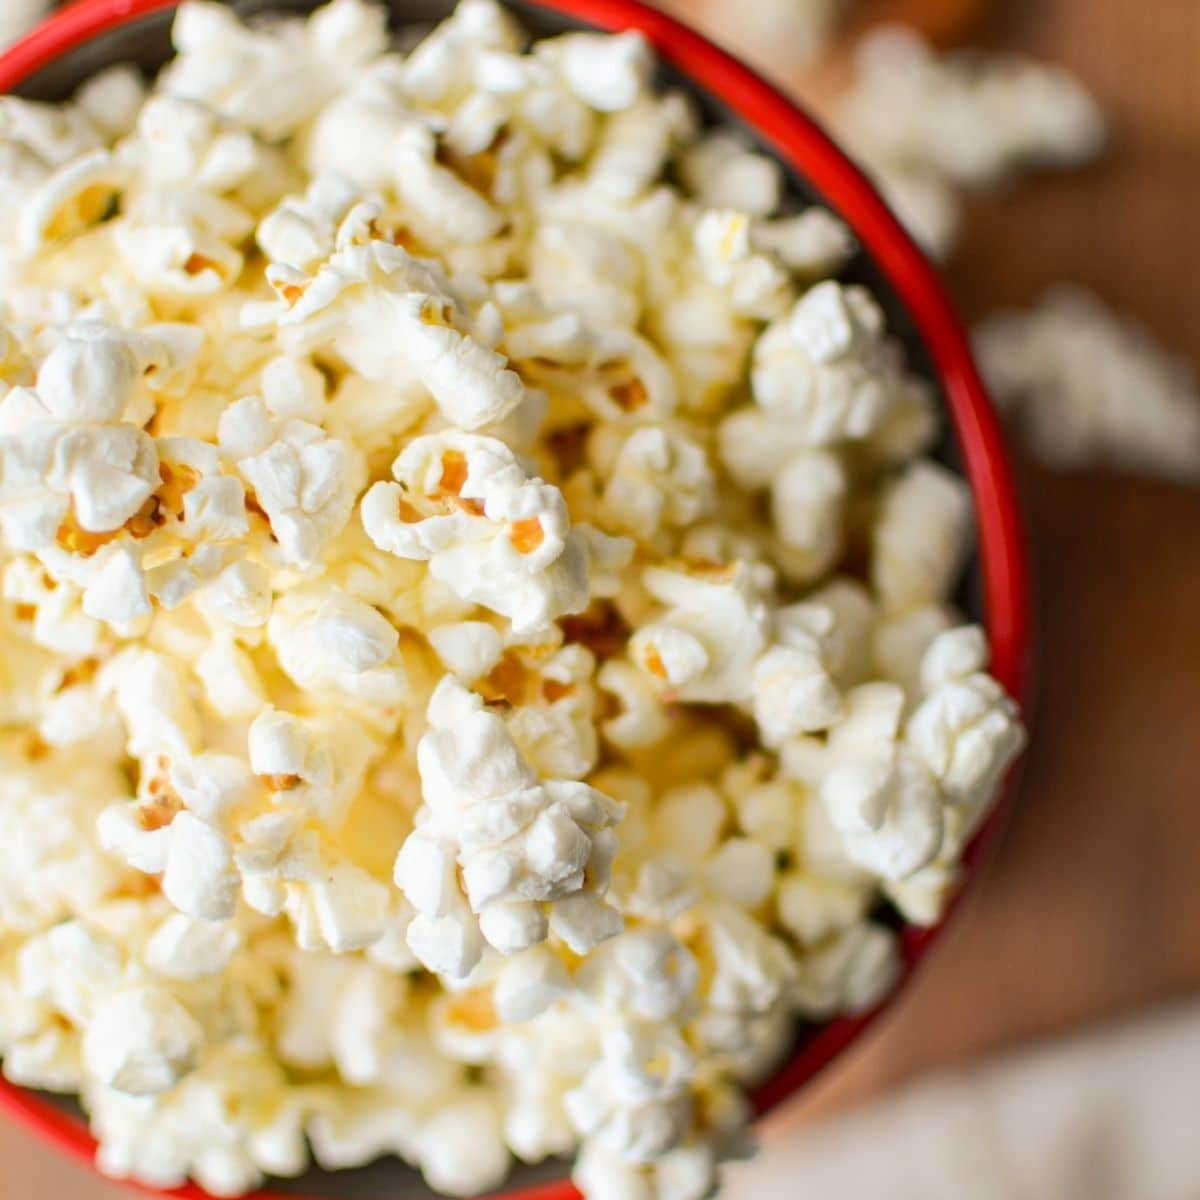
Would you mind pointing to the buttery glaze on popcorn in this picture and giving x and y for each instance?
(476, 643)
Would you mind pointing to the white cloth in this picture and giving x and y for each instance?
(1109, 1115)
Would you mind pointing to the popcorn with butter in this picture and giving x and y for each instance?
(477, 662)
(497, 856)
(492, 534)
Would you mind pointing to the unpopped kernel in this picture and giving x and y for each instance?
(476, 646)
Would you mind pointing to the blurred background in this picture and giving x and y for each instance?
(1050, 1049)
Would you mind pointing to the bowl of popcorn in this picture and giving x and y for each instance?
(493, 516)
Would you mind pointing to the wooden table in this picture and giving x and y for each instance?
(1092, 908)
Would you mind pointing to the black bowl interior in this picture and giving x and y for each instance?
(146, 43)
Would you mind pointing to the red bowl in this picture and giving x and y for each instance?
(1001, 572)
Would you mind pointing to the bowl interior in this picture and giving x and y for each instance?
(146, 43)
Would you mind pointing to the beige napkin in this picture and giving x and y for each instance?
(1112, 1115)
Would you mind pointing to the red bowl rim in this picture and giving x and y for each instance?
(1003, 556)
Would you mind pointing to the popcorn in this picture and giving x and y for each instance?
(723, 610)
(807, 509)
(758, 286)
(141, 1041)
(268, 81)
(801, 29)
(332, 640)
(489, 532)
(880, 797)
(926, 126)
(1066, 372)
(658, 478)
(50, 866)
(966, 728)
(722, 173)
(920, 539)
(813, 243)
(971, 119)
(493, 845)
(304, 481)
(793, 692)
(470, 686)
(608, 73)
(67, 453)
(853, 973)
(646, 972)
(636, 144)
(635, 1102)
(365, 289)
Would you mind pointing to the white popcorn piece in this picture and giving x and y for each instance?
(443, 62)
(186, 1132)
(824, 375)
(185, 949)
(973, 119)
(199, 876)
(589, 271)
(721, 173)
(842, 371)
(752, 969)
(925, 126)
(313, 765)
(495, 852)
(722, 608)
(388, 314)
(232, 686)
(791, 686)
(757, 284)
(529, 983)
(141, 1041)
(853, 972)
(659, 478)
(1085, 385)
(271, 81)
(899, 641)
(20, 18)
(240, 595)
(468, 649)
(636, 1101)
(808, 498)
(67, 453)
(302, 232)
(329, 640)
(460, 1147)
(645, 972)
(966, 729)
(642, 719)
(635, 145)
(882, 799)
(489, 532)
(668, 653)
(304, 481)
(814, 909)
(921, 537)
(813, 243)
(608, 73)
(50, 865)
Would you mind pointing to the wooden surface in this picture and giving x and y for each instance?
(1092, 908)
